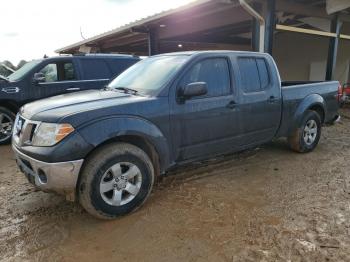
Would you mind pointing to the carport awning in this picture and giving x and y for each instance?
(334, 6)
(206, 24)
(210, 21)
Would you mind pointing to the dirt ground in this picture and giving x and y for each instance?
(268, 204)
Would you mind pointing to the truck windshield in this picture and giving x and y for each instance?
(150, 75)
(20, 73)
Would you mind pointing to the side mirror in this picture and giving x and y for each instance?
(39, 78)
(195, 89)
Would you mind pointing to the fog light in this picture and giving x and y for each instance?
(42, 176)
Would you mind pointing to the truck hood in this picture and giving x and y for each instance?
(54, 108)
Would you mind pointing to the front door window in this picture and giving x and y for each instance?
(55, 72)
(50, 73)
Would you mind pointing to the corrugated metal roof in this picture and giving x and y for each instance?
(135, 23)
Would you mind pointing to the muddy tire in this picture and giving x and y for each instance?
(7, 120)
(116, 180)
(306, 137)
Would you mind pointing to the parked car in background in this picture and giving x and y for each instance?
(345, 93)
(105, 148)
(54, 76)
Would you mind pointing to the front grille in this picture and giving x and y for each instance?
(27, 133)
(24, 131)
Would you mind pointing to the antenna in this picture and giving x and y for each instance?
(81, 34)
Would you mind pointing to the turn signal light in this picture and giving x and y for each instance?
(63, 131)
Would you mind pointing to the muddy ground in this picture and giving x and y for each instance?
(268, 204)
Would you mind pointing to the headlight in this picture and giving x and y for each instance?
(48, 134)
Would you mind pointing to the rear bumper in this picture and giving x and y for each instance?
(337, 119)
(58, 177)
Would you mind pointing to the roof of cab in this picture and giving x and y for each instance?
(94, 56)
(191, 53)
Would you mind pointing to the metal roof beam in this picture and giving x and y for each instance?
(300, 9)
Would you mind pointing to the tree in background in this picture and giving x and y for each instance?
(21, 63)
(5, 71)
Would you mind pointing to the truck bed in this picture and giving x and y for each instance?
(295, 94)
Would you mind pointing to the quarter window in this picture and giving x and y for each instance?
(263, 73)
(214, 72)
(69, 73)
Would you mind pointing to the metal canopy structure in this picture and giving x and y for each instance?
(204, 21)
(223, 24)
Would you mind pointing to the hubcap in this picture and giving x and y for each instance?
(120, 184)
(310, 132)
(6, 124)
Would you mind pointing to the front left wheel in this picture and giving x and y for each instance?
(7, 119)
(116, 180)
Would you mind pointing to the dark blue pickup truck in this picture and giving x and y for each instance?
(54, 76)
(105, 148)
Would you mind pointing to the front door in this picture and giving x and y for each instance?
(59, 78)
(205, 125)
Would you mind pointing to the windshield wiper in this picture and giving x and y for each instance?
(126, 90)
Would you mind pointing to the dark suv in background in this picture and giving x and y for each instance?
(54, 76)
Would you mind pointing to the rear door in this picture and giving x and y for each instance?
(205, 125)
(60, 77)
(95, 73)
(260, 99)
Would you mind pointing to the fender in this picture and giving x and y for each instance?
(10, 104)
(98, 132)
(307, 103)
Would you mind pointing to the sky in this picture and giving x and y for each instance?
(31, 29)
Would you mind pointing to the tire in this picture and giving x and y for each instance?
(7, 120)
(116, 180)
(303, 139)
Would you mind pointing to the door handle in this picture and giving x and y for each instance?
(73, 89)
(231, 105)
(272, 99)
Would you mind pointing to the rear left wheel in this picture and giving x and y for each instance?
(116, 180)
(306, 137)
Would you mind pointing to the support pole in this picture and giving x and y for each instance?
(333, 48)
(250, 10)
(153, 42)
(270, 25)
(256, 30)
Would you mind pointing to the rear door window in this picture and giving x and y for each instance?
(95, 69)
(214, 72)
(254, 73)
(249, 74)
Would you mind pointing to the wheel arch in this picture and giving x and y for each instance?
(319, 110)
(313, 102)
(133, 130)
(10, 105)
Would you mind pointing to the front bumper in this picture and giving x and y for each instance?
(58, 177)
